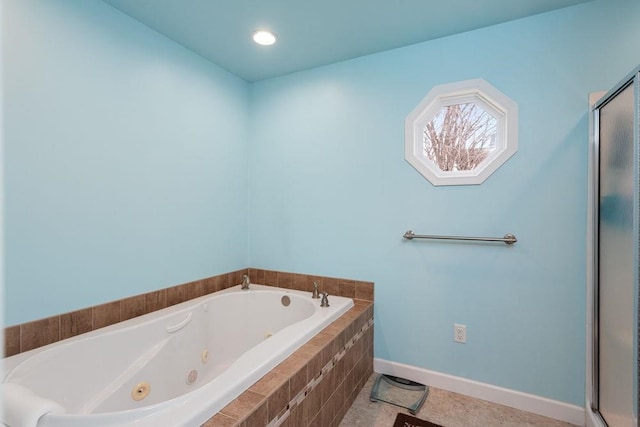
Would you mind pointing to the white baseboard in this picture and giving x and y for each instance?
(527, 402)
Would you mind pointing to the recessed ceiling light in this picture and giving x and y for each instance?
(264, 37)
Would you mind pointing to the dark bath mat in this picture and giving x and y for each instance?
(406, 420)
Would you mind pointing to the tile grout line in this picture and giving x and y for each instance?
(299, 398)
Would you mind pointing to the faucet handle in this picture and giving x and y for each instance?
(324, 302)
(315, 294)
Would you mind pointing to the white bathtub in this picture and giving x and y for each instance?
(192, 359)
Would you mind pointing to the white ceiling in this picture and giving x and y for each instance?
(315, 33)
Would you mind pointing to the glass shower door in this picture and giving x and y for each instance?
(617, 257)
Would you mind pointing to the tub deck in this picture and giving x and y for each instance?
(316, 385)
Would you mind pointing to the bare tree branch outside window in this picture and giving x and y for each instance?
(460, 137)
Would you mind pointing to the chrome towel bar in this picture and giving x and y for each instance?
(508, 238)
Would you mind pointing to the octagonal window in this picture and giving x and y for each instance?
(461, 133)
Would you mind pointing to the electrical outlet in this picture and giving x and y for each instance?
(460, 333)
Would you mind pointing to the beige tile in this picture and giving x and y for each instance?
(75, 323)
(342, 411)
(105, 314)
(317, 421)
(347, 288)
(286, 422)
(341, 372)
(132, 307)
(298, 381)
(312, 405)
(278, 400)
(294, 368)
(328, 412)
(11, 340)
(307, 351)
(314, 355)
(364, 291)
(259, 276)
(296, 416)
(338, 326)
(321, 339)
(227, 281)
(327, 387)
(271, 278)
(194, 289)
(175, 295)
(331, 286)
(155, 301)
(220, 420)
(269, 383)
(290, 365)
(339, 393)
(302, 282)
(210, 285)
(333, 329)
(243, 405)
(285, 280)
(39, 333)
(258, 417)
(220, 282)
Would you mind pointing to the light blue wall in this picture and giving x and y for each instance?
(331, 194)
(126, 166)
(126, 171)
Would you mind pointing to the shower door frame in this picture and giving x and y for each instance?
(596, 102)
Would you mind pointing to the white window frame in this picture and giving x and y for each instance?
(480, 92)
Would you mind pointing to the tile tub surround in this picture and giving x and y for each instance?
(38, 333)
(316, 385)
(304, 282)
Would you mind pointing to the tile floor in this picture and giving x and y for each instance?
(444, 408)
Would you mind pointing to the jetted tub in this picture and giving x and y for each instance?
(173, 367)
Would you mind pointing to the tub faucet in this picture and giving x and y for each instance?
(315, 294)
(245, 282)
(324, 302)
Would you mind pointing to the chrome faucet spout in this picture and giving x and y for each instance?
(315, 294)
(324, 302)
(245, 282)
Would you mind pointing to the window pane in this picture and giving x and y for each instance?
(459, 137)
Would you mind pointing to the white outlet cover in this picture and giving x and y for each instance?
(460, 333)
